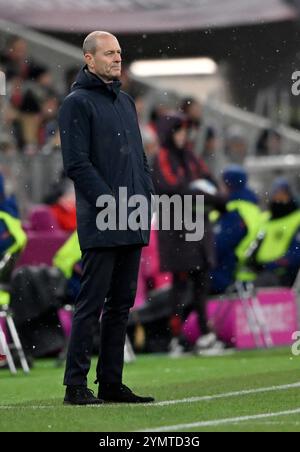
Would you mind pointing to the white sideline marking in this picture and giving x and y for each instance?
(233, 420)
(229, 395)
(171, 402)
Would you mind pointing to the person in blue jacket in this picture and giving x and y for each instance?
(236, 227)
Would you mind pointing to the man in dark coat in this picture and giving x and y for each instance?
(175, 169)
(102, 151)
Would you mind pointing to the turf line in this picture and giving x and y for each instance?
(171, 402)
(215, 423)
(229, 394)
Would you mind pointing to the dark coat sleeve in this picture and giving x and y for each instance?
(167, 182)
(74, 125)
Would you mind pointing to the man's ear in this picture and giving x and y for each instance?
(89, 59)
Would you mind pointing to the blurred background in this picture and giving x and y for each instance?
(239, 61)
(226, 64)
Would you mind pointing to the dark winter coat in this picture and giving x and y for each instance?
(174, 170)
(102, 151)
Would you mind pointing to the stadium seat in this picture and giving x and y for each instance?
(42, 228)
(42, 219)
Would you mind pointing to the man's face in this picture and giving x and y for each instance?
(107, 60)
(281, 196)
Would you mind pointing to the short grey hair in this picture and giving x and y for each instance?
(90, 42)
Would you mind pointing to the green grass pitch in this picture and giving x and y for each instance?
(272, 377)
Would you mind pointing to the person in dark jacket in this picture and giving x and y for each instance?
(102, 151)
(175, 169)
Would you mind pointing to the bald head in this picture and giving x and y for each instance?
(102, 54)
(93, 40)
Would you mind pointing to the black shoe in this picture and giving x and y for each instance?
(80, 395)
(120, 394)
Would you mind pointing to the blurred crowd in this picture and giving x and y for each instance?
(31, 102)
(29, 113)
(241, 241)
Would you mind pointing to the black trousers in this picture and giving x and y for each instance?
(200, 287)
(108, 285)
